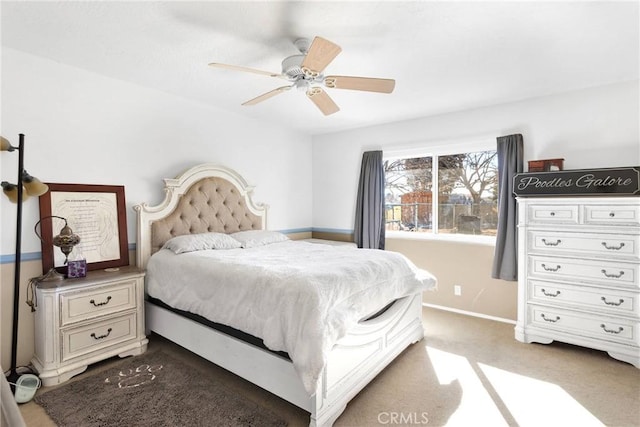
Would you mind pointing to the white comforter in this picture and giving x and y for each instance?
(299, 297)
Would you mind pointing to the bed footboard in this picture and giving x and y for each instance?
(364, 353)
(352, 364)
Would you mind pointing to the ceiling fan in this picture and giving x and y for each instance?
(305, 72)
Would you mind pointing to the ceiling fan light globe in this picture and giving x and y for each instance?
(302, 85)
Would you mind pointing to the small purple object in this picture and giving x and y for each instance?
(77, 268)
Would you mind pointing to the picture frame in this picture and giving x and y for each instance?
(96, 213)
(547, 165)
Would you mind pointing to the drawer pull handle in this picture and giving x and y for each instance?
(552, 214)
(612, 275)
(615, 248)
(611, 331)
(552, 268)
(93, 335)
(98, 304)
(604, 299)
(556, 243)
(612, 214)
(546, 319)
(549, 294)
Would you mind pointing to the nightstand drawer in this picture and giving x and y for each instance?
(99, 301)
(95, 336)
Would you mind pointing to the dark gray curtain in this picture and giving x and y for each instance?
(369, 226)
(510, 161)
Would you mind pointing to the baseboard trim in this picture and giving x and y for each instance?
(469, 313)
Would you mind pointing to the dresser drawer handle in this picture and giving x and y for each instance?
(604, 299)
(549, 294)
(93, 335)
(612, 214)
(612, 275)
(546, 319)
(556, 243)
(552, 213)
(551, 268)
(611, 331)
(98, 304)
(615, 248)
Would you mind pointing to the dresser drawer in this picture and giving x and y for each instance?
(577, 270)
(552, 214)
(612, 215)
(95, 336)
(98, 301)
(600, 327)
(595, 244)
(614, 302)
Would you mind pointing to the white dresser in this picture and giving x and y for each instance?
(85, 320)
(578, 273)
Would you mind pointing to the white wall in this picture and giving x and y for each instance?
(82, 127)
(591, 128)
(85, 128)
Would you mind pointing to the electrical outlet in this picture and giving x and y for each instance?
(457, 290)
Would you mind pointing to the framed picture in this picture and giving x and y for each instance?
(548, 165)
(96, 213)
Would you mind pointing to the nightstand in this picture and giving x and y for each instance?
(82, 321)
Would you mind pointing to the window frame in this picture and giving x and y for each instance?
(434, 150)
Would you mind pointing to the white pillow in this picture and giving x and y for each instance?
(201, 242)
(253, 238)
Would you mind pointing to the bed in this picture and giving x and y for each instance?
(319, 369)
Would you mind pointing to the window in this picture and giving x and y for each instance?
(465, 186)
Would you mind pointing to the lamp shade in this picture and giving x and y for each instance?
(11, 191)
(5, 145)
(33, 186)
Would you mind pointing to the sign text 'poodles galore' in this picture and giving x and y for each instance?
(583, 182)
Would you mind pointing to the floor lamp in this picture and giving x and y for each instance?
(17, 193)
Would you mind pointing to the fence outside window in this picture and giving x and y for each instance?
(453, 218)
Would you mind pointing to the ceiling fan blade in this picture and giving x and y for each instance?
(267, 95)
(320, 54)
(245, 69)
(322, 101)
(360, 83)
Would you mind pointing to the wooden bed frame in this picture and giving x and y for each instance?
(354, 361)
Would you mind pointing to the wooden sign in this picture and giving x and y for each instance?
(580, 182)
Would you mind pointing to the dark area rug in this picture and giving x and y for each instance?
(152, 389)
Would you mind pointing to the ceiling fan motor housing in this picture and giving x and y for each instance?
(291, 67)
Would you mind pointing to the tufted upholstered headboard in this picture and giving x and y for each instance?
(205, 198)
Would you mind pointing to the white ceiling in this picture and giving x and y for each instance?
(444, 56)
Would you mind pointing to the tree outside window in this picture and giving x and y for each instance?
(466, 187)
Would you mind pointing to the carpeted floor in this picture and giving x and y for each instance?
(467, 371)
(152, 390)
